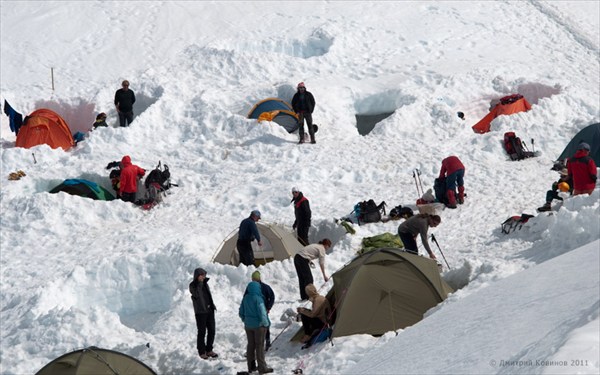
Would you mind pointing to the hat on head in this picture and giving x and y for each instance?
(583, 146)
(255, 213)
(295, 190)
(101, 115)
(256, 275)
(301, 84)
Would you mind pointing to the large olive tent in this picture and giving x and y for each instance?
(383, 290)
(590, 135)
(95, 361)
(279, 243)
(275, 110)
(44, 126)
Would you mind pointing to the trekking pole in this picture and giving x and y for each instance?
(283, 330)
(419, 177)
(34, 161)
(417, 185)
(533, 144)
(438, 245)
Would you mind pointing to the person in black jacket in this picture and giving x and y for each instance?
(124, 99)
(204, 309)
(248, 232)
(303, 215)
(303, 104)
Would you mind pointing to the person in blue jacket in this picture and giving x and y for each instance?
(269, 298)
(256, 322)
(248, 233)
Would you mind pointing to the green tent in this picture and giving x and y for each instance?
(590, 135)
(84, 188)
(383, 290)
(95, 361)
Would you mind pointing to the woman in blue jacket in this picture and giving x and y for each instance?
(256, 321)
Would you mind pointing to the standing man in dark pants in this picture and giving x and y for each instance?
(204, 310)
(124, 99)
(247, 233)
(303, 104)
(303, 215)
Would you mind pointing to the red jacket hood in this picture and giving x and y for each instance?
(126, 160)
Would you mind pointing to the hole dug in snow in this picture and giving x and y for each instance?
(375, 108)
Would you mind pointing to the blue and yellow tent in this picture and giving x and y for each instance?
(275, 110)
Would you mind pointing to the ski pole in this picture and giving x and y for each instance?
(283, 330)
(419, 176)
(533, 144)
(438, 246)
(417, 185)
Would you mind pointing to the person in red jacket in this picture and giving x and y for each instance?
(582, 170)
(130, 173)
(453, 171)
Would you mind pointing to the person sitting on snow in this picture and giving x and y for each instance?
(314, 319)
(100, 121)
(582, 170)
(563, 184)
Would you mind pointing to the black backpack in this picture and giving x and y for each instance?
(400, 212)
(439, 186)
(159, 177)
(369, 211)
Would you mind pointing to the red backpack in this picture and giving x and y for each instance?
(514, 147)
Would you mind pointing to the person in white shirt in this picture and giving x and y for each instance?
(302, 261)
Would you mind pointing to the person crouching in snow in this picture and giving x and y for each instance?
(130, 174)
(314, 319)
(453, 171)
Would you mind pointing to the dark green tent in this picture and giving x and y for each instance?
(383, 290)
(95, 361)
(84, 188)
(590, 135)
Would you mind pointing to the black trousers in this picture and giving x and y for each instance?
(311, 324)
(309, 125)
(125, 118)
(128, 197)
(305, 276)
(410, 244)
(206, 329)
(246, 252)
(302, 231)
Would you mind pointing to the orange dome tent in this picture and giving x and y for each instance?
(44, 126)
(507, 106)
